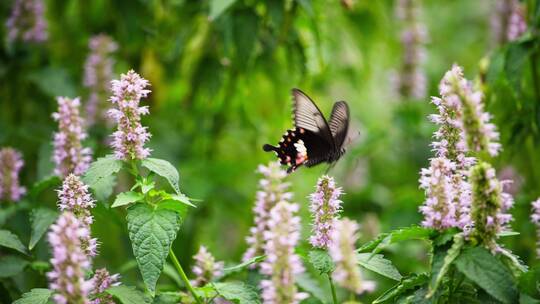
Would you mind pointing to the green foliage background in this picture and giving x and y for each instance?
(220, 89)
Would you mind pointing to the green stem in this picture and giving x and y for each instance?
(334, 296)
(183, 276)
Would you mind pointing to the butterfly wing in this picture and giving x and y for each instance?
(308, 116)
(339, 123)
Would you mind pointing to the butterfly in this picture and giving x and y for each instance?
(313, 140)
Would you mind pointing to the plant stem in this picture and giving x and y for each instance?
(334, 297)
(183, 276)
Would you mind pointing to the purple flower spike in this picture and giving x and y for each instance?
(69, 261)
(272, 189)
(343, 252)
(535, 218)
(325, 207)
(100, 282)
(130, 137)
(75, 198)
(11, 163)
(206, 268)
(69, 154)
(27, 22)
(98, 71)
(282, 265)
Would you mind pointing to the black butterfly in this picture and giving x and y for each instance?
(313, 140)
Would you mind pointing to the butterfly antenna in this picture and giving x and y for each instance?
(268, 148)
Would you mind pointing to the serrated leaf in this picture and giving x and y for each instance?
(126, 198)
(35, 296)
(378, 264)
(41, 219)
(406, 284)
(104, 188)
(11, 265)
(449, 258)
(128, 295)
(513, 261)
(399, 235)
(10, 240)
(243, 265)
(238, 292)
(175, 206)
(151, 232)
(481, 267)
(102, 168)
(164, 169)
(322, 261)
(217, 7)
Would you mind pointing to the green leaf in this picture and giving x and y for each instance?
(175, 206)
(102, 168)
(517, 56)
(168, 298)
(10, 240)
(378, 264)
(238, 292)
(126, 198)
(11, 265)
(321, 261)
(104, 188)
(35, 296)
(54, 81)
(243, 265)
(152, 232)
(40, 266)
(507, 233)
(481, 267)
(217, 7)
(399, 235)
(529, 282)
(128, 295)
(164, 169)
(309, 284)
(40, 220)
(406, 284)
(449, 258)
(52, 181)
(514, 262)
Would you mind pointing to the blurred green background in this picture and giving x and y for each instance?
(221, 74)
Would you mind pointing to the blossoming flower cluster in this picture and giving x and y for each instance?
(206, 268)
(27, 21)
(411, 81)
(100, 282)
(490, 205)
(517, 24)
(282, 265)
(325, 206)
(130, 137)
(342, 250)
(11, 163)
(69, 261)
(75, 198)
(272, 190)
(69, 154)
(98, 70)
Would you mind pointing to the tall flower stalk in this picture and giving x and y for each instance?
(343, 252)
(282, 265)
(100, 282)
(98, 73)
(130, 137)
(272, 189)
(69, 154)
(206, 268)
(27, 21)
(11, 163)
(325, 207)
(75, 198)
(411, 80)
(69, 261)
(489, 206)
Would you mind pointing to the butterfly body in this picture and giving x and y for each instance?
(313, 140)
